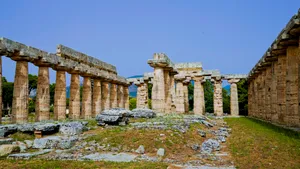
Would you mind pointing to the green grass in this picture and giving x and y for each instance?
(18, 136)
(257, 144)
(52, 164)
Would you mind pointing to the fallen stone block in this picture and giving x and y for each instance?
(27, 156)
(120, 157)
(143, 113)
(7, 149)
(6, 141)
(53, 142)
(72, 128)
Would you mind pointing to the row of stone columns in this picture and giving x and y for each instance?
(274, 93)
(102, 95)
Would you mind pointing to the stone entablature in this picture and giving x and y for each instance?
(66, 59)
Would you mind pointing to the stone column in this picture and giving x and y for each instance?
(281, 88)
(96, 105)
(146, 94)
(172, 92)
(179, 94)
(120, 96)
(113, 95)
(60, 96)
(218, 99)
(167, 91)
(186, 95)
(142, 95)
(42, 105)
(268, 83)
(199, 103)
(105, 95)
(234, 100)
(274, 113)
(87, 98)
(74, 105)
(292, 87)
(158, 90)
(20, 94)
(250, 97)
(126, 96)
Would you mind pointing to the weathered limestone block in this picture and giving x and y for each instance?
(292, 87)
(96, 107)
(20, 95)
(105, 95)
(281, 88)
(113, 96)
(234, 101)
(199, 104)
(120, 96)
(74, 105)
(87, 98)
(186, 95)
(43, 95)
(158, 90)
(126, 97)
(167, 91)
(179, 95)
(274, 111)
(60, 96)
(218, 99)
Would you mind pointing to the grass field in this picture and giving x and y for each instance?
(257, 144)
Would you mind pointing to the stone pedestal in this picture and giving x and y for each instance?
(74, 104)
(20, 95)
(60, 96)
(120, 96)
(87, 98)
(42, 105)
(113, 96)
(218, 99)
(158, 90)
(126, 97)
(105, 95)
(234, 101)
(96, 106)
(199, 104)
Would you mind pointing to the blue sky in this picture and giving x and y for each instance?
(227, 35)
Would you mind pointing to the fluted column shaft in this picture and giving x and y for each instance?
(87, 98)
(120, 96)
(158, 90)
(218, 99)
(199, 103)
(96, 106)
(74, 104)
(42, 106)
(179, 97)
(126, 97)
(20, 94)
(234, 101)
(113, 96)
(60, 96)
(105, 95)
(186, 96)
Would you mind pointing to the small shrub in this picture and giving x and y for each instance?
(132, 103)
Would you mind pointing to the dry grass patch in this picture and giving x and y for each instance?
(256, 144)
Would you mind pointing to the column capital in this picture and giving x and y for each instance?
(198, 78)
(231, 81)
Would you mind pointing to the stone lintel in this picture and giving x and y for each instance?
(235, 76)
(189, 65)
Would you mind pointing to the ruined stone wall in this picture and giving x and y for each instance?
(274, 82)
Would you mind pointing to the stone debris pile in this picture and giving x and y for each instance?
(115, 116)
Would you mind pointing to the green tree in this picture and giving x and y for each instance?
(208, 96)
(52, 92)
(226, 101)
(32, 80)
(132, 103)
(243, 96)
(150, 85)
(7, 92)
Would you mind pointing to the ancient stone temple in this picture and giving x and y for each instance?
(170, 87)
(108, 91)
(273, 93)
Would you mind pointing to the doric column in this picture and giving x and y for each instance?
(105, 95)
(60, 96)
(274, 111)
(172, 92)
(142, 95)
(74, 104)
(179, 94)
(281, 88)
(113, 95)
(268, 86)
(20, 94)
(199, 103)
(218, 99)
(234, 100)
(168, 99)
(120, 96)
(158, 90)
(96, 105)
(87, 98)
(186, 95)
(126, 96)
(42, 105)
(292, 86)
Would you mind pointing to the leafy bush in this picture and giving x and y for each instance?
(132, 103)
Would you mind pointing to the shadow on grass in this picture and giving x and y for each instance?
(275, 128)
